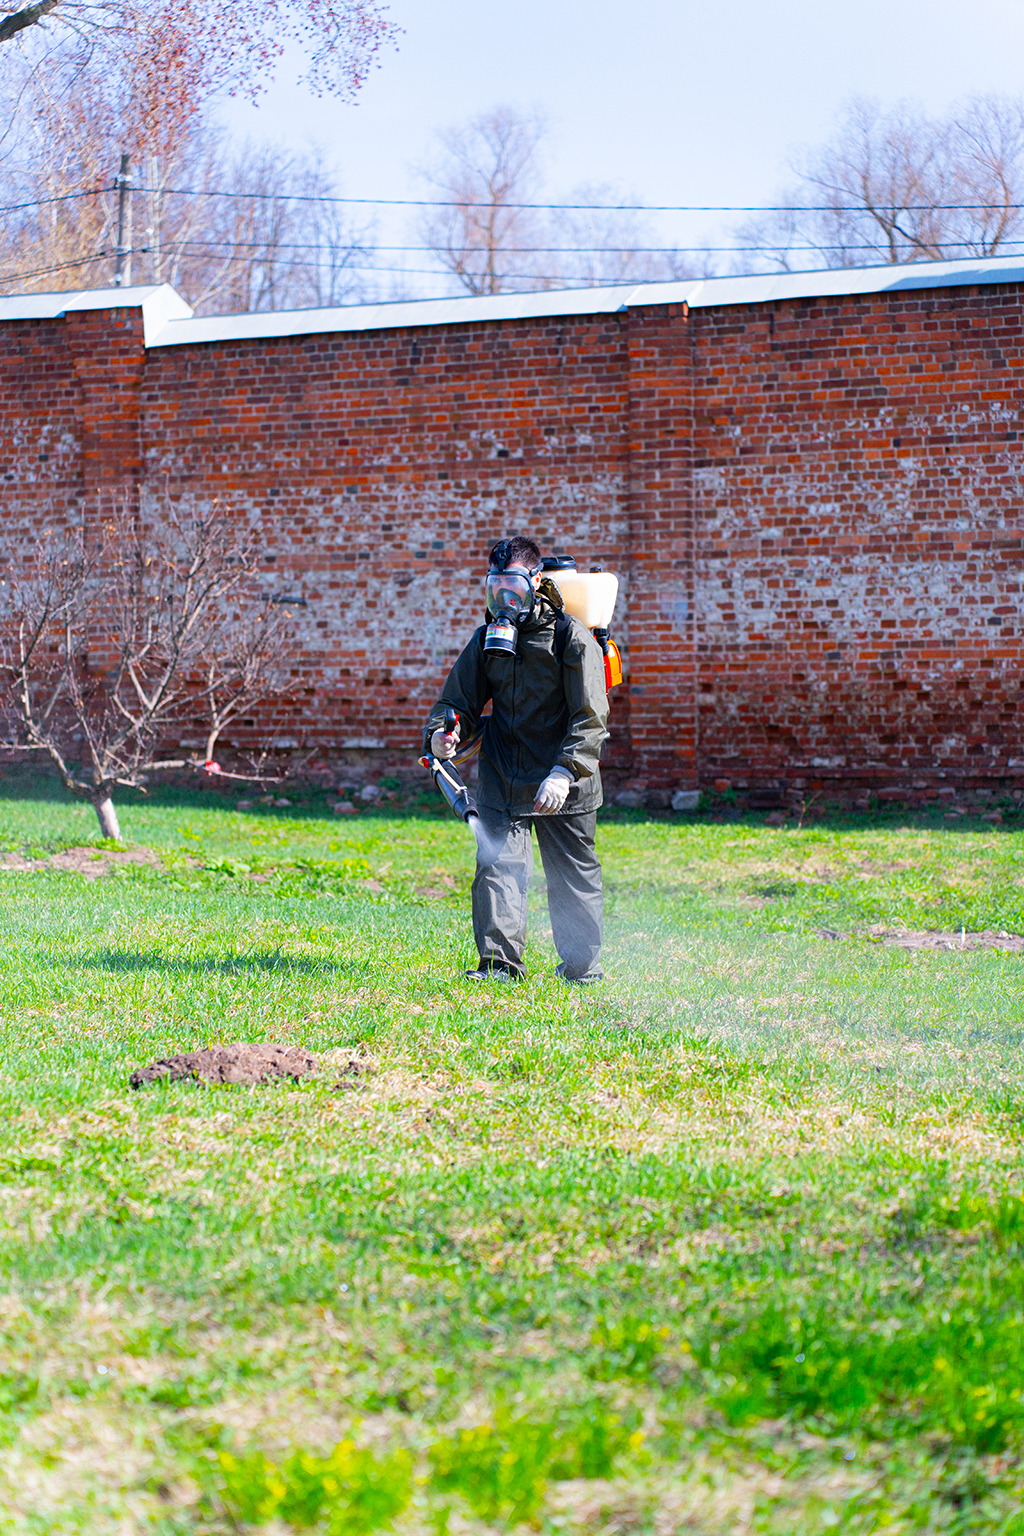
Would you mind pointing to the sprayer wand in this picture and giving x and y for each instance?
(446, 776)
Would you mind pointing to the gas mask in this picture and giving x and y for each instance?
(510, 600)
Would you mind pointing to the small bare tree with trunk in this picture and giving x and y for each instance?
(486, 171)
(113, 648)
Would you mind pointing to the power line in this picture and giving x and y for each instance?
(219, 250)
(552, 250)
(44, 202)
(567, 279)
(63, 266)
(418, 202)
(188, 245)
(410, 202)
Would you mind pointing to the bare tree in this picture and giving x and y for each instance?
(112, 647)
(490, 243)
(196, 50)
(256, 248)
(595, 245)
(338, 254)
(485, 170)
(56, 178)
(898, 186)
(279, 242)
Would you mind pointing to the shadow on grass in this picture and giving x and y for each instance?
(308, 802)
(833, 818)
(125, 960)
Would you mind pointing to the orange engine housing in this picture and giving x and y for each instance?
(612, 666)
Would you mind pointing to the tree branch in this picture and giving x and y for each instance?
(12, 25)
(167, 650)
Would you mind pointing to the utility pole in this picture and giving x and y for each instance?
(123, 259)
(154, 233)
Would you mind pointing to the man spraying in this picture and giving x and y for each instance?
(540, 748)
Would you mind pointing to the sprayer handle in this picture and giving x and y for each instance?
(451, 721)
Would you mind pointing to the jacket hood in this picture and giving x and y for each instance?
(542, 615)
(548, 589)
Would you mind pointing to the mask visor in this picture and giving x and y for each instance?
(509, 592)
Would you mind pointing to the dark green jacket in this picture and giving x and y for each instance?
(543, 715)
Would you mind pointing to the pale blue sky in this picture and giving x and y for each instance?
(678, 102)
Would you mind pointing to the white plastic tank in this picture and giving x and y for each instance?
(587, 595)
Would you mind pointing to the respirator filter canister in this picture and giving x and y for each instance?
(501, 635)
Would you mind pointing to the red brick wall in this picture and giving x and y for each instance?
(41, 466)
(70, 403)
(815, 508)
(382, 466)
(661, 599)
(859, 467)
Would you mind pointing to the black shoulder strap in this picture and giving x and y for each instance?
(562, 630)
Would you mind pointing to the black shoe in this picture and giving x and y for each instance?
(487, 971)
(579, 981)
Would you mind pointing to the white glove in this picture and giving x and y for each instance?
(442, 745)
(552, 792)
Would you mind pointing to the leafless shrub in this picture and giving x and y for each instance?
(114, 646)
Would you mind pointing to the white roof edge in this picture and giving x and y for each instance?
(162, 307)
(169, 322)
(698, 293)
(159, 302)
(400, 313)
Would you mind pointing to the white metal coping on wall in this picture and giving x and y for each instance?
(168, 321)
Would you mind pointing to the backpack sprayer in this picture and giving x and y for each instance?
(590, 597)
(586, 595)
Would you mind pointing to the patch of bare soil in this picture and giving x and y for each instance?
(930, 938)
(91, 863)
(235, 1063)
(446, 885)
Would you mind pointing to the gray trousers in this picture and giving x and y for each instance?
(575, 894)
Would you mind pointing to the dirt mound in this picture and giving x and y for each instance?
(236, 1063)
(89, 862)
(929, 938)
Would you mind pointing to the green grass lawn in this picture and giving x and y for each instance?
(731, 1243)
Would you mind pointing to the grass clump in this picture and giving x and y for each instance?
(349, 1492)
(502, 1468)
